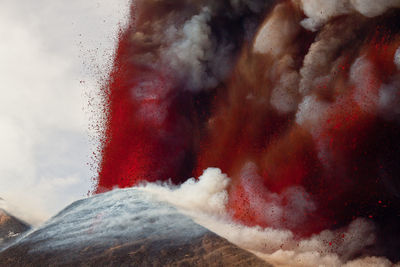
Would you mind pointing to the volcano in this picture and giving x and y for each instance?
(123, 228)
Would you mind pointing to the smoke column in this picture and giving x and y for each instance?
(297, 102)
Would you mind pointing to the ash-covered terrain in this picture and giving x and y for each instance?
(126, 227)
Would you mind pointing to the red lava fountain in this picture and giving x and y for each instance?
(297, 103)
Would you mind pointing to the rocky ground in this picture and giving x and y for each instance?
(10, 228)
(124, 228)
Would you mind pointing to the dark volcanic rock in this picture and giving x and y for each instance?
(10, 228)
(124, 228)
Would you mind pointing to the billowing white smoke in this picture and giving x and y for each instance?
(397, 58)
(182, 45)
(190, 51)
(207, 195)
(362, 76)
(321, 11)
(312, 111)
(205, 201)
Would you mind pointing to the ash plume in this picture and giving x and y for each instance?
(297, 102)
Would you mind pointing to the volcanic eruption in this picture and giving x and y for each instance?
(297, 102)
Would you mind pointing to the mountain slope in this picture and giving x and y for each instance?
(124, 228)
(10, 227)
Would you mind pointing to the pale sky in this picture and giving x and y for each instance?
(47, 48)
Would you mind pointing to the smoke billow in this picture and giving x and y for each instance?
(296, 101)
(319, 12)
(205, 200)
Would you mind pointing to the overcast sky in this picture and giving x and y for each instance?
(47, 48)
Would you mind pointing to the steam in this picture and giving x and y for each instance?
(189, 49)
(209, 191)
(397, 58)
(319, 11)
(205, 201)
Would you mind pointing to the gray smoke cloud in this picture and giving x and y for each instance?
(397, 58)
(319, 11)
(299, 89)
(187, 43)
